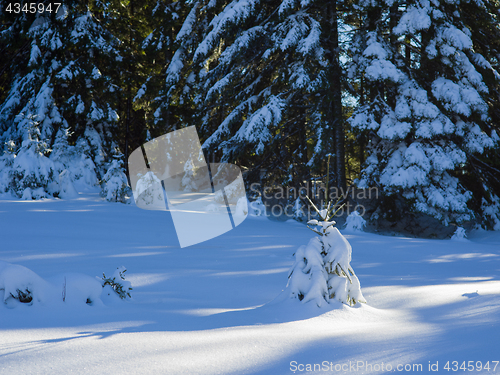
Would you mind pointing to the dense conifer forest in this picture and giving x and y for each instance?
(403, 96)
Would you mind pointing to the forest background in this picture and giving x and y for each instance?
(402, 96)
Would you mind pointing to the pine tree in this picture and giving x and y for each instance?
(114, 183)
(32, 171)
(60, 92)
(261, 86)
(256, 80)
(483, 22)
(322, 271)
(425, 105)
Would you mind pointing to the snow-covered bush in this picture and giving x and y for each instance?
(114, 183)
(78, 289)
(234, 190)
(492, 211)
(354, 222)
(459, 235)
(189, 180)
(118, 283)
(23, 296)
(241, 207)
(322, 272)
(83, 166)
(298, 210)
(6, 161)
(148, 192)
(66, 187)
(196, 177)
(74, 165)
(257, 207)
(19, 284)
(31, 169)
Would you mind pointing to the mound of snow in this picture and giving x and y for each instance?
(19, 285)
(18, 282)
(257, 207)
(241, 207)
(459, 235)
(354, 222)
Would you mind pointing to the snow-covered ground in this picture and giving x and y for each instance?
(207, 309)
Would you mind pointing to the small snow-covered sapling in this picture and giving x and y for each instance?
(322, 270)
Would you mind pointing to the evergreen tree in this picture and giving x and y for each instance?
(425, 105)
(256, 80)
(60, 95)
(32, 173)
(322, 270)
(482, 21)
(264, 83)
(269, 85)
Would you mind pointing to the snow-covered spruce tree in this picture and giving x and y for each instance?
(483, 22)
(114, 183)
(298, 210)
(354, 222)
(266, 87)
(322, 271)
(423, 101)
(75, 158)
(253, 76)
(32, 172)
(59, 91)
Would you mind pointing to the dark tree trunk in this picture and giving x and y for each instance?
(129, 90)
(337, 120)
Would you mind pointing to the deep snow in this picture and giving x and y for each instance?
(207, 309)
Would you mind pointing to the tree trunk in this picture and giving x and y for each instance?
(129, 91)
(336, 95)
